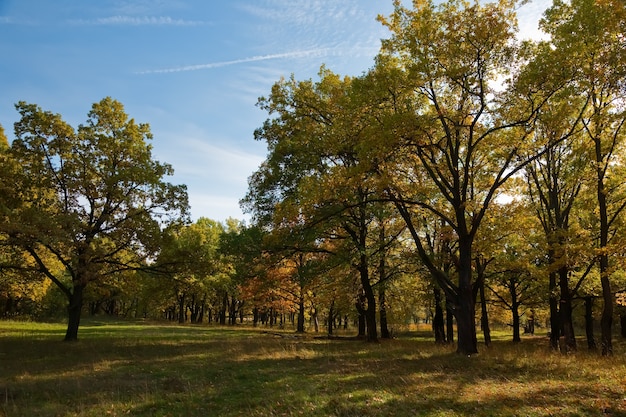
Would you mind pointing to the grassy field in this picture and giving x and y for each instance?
(121, 369)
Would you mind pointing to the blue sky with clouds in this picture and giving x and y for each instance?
(192, 69)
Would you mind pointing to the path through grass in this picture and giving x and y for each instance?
(157, 370)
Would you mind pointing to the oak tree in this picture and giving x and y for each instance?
(85, 198)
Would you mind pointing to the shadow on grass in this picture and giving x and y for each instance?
(194, 371)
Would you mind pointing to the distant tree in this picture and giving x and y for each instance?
(4, 142)
(92, 200)
(197, 271)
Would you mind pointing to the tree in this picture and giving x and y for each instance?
(4, 142)
(85, 199)
(191, 259)
(313, 179)
(588, 35)
(555, 181)
(456, 137)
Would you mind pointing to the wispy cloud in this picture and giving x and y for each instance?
(318, 52)
(138, 21)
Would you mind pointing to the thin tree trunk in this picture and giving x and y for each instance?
(449, 320)
(569, 339)
(223, 309)
(555, 317)
(484, 318)
(606, 320)
(591, 341)
(331, 317)
(438, 321)
(369, 312)
(300, 325)
(181, 309)
(384, 328)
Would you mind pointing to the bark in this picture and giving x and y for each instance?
(565, 308)
(300, 324)
(331, 317)
(316, 323)
(591, 341)
(606, 320)
(255, 316)
(555, 318)
(370, 317)
(232, 312)
(467, 343)
(484, 318)
(181, 309)
(449, 320)
(384, 328)
(465, 304)
(74, 309)
(622, 322)
(361, 325)
(369, 305)
(222, 314)
(438, 321)
(382, 272)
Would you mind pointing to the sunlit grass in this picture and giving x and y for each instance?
(136, 369)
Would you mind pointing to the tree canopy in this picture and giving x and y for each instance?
(85, 203)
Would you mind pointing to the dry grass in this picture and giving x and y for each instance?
(156, 370)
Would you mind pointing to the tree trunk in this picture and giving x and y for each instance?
(181, 309)
(465, 306)
(232, 312)
(484, 318)
(591, 341)
(606, 320)
(370, 301)
(300, 325)
(361, 325)
(438, 321)
(466, 326)
(222, 313)
(74, 309)
(555, 317)
(384, 328)
(569, 339)
(331, 317)
(449, 320)
(316, 323)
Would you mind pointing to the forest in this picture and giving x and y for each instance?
(469, 180)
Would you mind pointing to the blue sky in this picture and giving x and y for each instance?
(192, 69)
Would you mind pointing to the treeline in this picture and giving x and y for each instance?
(496, 163)
(467, 176)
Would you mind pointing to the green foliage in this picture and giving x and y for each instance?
(88, 203)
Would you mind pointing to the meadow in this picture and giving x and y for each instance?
(136, 369)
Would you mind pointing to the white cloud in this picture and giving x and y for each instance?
(295, 54)
(528, 19)
(138, 21)
(214, 206)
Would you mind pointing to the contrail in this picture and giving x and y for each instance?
(295, 54)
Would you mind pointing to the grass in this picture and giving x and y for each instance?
(121, 369)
